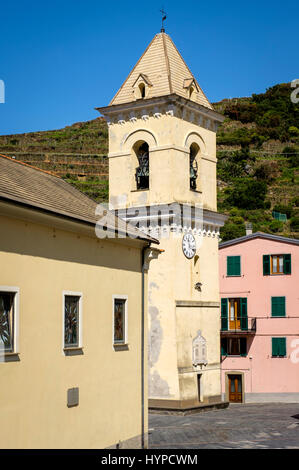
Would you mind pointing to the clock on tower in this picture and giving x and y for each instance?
(162, 151)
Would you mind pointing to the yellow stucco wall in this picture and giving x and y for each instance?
(169, 139)
(172, 277)
(42, 263)
(172, 328)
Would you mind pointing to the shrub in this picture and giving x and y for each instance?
(276, 226)
(266, 171)
(283, 209)
(237, 220)
(267, 204)
(248, 194)
(294, 224)
(295, 201)
(234, 212)
(292, 155)
(293, 130)
(230, 231)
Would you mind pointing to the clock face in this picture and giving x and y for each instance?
(189, 245)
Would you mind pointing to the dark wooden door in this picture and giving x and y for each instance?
(198, 386)
(235, 388)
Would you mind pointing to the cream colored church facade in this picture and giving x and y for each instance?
(162, 163)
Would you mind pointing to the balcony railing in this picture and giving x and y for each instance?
(239, 325)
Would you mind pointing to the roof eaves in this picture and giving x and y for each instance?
(68, 215)
(253, 236)
(199, 87)
(29, 166)
(116, 95)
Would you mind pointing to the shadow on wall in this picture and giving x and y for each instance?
(41, 241)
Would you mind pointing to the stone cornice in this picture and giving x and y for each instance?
(170, 105)
(158, 221)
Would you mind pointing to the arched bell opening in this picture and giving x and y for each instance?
(193, 166)
(141, 150)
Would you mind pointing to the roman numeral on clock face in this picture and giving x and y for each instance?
(189, 245)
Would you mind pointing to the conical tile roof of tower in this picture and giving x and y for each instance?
(166, 72)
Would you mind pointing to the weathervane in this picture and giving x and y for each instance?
(163, 19)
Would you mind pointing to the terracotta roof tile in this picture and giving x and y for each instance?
(167, 71)
(22, 183)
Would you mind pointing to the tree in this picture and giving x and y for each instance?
(247, 194)
(230, 231)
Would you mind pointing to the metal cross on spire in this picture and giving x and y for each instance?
(163, 19)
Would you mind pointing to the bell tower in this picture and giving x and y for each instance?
(162, 177)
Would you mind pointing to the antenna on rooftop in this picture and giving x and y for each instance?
(163, 19)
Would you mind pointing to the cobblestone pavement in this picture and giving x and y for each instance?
(248, 426)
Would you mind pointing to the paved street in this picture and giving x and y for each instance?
(251, 426)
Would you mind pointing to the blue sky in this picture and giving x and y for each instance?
(60, 59)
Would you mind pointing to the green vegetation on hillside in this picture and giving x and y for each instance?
(270, 115)
(257, 151)
(77, 153)
(80, 138)
(258, 163)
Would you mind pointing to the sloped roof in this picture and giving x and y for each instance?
(254, 236)
(25, 184)
(167, 71)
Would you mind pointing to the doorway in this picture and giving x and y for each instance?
(234, 314)
(235, 388)
(199, 387)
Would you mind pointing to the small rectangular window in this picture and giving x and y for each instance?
(234, 266)
(7, 321)
(277, 264)
(234, 346)
(278, 306)
(72, 321)
(279, 348)
(120, 321)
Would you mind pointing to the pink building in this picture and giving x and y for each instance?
(259, 291)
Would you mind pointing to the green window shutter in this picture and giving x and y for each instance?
(275, 347)
(233, 266)
(282, 347)
(266, 265)
(237, 265)
(278, 306)
(224, 314)
(287, 264)
(224, 347)
(243, 347)
(244, 318)
(230, 267)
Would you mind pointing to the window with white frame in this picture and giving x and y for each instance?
(8, 319)
(72, 320)
(120, 319)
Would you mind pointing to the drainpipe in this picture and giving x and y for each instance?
(142, 341)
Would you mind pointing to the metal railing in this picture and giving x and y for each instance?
(238, 325)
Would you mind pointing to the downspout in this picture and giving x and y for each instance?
(142, 341)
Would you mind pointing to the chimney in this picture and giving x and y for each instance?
(248, 227)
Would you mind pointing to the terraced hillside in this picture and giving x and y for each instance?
(77, 153)
(258, 163)
(257, 150)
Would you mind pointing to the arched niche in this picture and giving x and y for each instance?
(140, 134)
(194, 137)
(140, 90)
